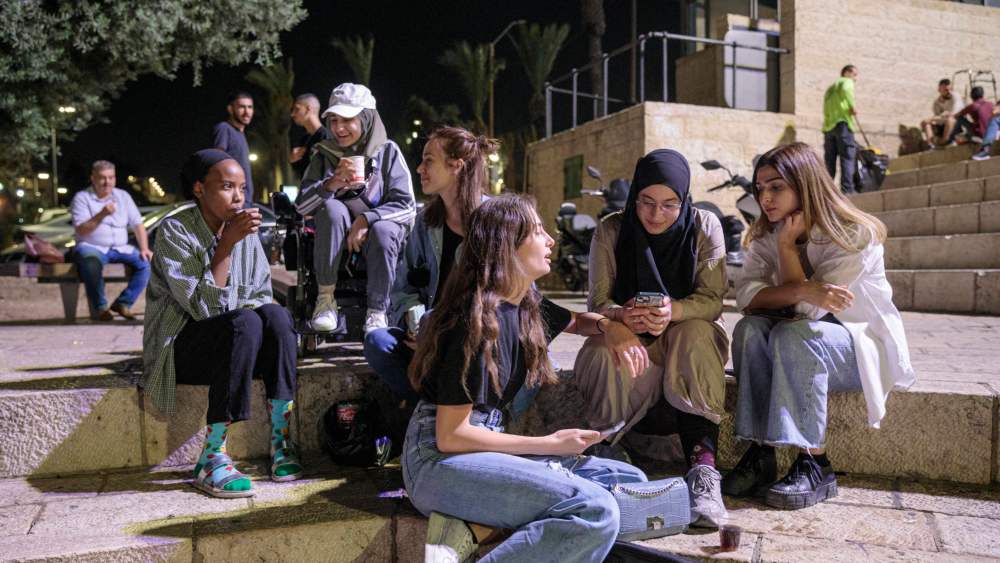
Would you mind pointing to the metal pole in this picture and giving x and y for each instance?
(548, 110)
(574, 97)
(55, 169)
(604, 71)
(490, 70)
(631, 57)
(664, 48)
(733, 82)
(642, 70)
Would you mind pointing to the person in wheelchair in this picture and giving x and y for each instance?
(358, 188)
(453, 173)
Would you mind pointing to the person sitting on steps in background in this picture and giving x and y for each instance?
(937, 129)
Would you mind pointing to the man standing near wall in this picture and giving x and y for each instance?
(839, 125)
(230, 137)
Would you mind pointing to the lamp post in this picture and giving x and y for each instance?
(490, 70)
(55, 153)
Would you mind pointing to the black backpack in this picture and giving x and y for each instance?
(354, 434)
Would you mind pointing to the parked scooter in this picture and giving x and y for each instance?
(577, 230)
(732, 227)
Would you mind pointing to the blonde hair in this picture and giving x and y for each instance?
(821, 202)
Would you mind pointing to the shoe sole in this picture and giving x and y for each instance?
(801, 500)
(221, 493)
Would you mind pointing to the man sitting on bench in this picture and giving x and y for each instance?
(102, 215)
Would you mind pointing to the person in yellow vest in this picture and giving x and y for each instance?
(839, 125)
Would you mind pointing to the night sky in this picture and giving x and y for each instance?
(156, 122)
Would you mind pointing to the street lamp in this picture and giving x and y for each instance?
(492, 58)
(55, 151)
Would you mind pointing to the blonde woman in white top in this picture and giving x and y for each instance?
(819, 318)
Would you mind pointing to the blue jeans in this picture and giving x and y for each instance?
(389, 357)
(90, 265)
(786, 370)
(558, 506)
(992, 128)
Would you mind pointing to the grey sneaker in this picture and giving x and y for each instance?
(449, 540)
(983, 154)
(705, 486)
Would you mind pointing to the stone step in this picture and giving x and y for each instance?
(926, 159)
(86, 426)
(943, 252)
(337, 514)
(965, 218)
(973, 190)
(946, 291)
(940, 173)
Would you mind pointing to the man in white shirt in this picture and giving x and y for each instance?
(102, 215)
(939, 127)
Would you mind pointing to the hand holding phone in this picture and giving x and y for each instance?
(648, 299)
(612, 429)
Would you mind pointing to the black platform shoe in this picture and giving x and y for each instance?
(805, 484)
(755, 472)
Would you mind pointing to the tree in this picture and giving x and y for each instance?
(358, 52)
(594, 23)
(277, 81)
(538, 48)
(471, 64)
(84, 53)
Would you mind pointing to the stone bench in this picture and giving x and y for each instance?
(63, 274)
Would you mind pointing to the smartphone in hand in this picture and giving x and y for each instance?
(648, 299)
(611, 429)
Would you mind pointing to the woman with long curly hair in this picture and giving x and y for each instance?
(819, 319)
(485, 339)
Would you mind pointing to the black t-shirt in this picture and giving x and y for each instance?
(308, 141)
(448, 250)
(444, 384)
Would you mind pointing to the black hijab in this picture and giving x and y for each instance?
(663, 263)
(196, 167)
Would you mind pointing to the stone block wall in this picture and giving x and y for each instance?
(901, 48)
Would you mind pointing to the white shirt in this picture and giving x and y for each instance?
(113, 230)
(874, 322)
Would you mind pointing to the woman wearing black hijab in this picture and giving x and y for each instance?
(662, 245)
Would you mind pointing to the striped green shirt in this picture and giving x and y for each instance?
(182, 288)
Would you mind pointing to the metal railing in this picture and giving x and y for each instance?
(600, 101)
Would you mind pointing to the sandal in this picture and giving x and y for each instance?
(205, 481)
(285, 464)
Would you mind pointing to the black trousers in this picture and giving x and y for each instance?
(227, 350)
(839, 142)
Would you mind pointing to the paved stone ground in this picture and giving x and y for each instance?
(159, 517)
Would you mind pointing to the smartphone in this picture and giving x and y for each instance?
(612, 429)
(649, 299)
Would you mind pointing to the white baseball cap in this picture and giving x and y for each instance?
(347, 100)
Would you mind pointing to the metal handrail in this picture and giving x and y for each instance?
(640, 44)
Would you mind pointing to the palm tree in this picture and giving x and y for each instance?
(594, 22)
(277, 81)
(359, 52)
(538, 48)
(471, 64)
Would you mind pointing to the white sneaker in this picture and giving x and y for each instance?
(375, 320)
(325, 315)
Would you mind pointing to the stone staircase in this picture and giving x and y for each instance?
(943, 216)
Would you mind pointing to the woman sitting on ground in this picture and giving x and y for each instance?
(372, 217)
(210, 320)
(486, 338)
(820, 319)
(662, 246)
(453, 172)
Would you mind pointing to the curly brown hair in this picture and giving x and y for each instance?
(486, 273)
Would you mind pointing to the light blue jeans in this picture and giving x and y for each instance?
(558, 506)
(786, 370)
(991, 131)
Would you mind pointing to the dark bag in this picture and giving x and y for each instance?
(355, 434)
(624, 552)
(872, 167)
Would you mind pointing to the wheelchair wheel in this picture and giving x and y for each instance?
(307, 344)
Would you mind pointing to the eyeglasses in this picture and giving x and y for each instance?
(666, 206)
